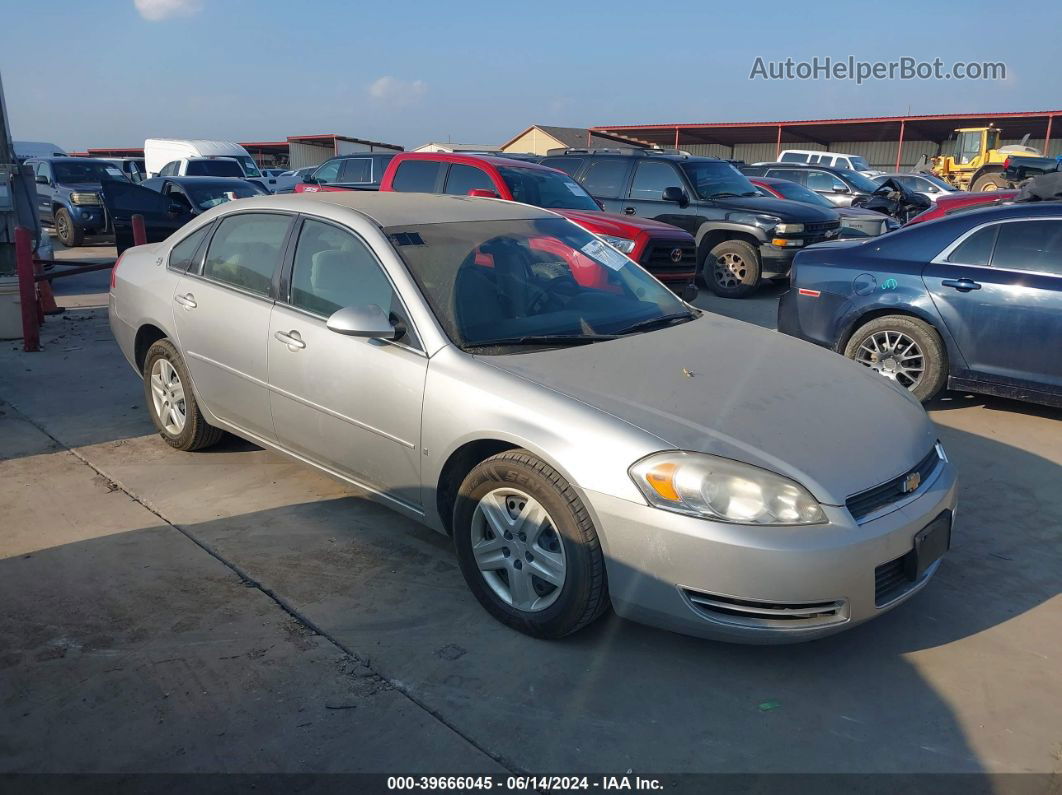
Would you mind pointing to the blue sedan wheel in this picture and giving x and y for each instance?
(904, 349)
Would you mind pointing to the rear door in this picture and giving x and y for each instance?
(222, 312)
(162, 216)
(829, 186)
(45, 190)
(999, 290)
(606, 178)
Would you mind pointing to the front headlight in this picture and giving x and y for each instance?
(789, 229)
(85, 198)
(620, 243)
(752, 219)
(697, 484)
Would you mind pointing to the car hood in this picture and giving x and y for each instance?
(78, 187)
(622, 225)
(787, 210)
(859, 212)
(728, 388)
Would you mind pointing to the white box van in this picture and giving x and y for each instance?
(835, 159)
(160, 152)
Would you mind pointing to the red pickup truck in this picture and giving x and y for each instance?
(667, 252)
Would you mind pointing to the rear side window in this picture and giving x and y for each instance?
(569, 165)
(356, 170)
(1029, 246)
(794, 157)
(222, 167)
(823, 180)
(245, 250)
(417, 176)
(462, 179)
(183, 254)
(791, 174)
(605, 177)
(977, 248)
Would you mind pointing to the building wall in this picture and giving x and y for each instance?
(302, 154)
(535, 142)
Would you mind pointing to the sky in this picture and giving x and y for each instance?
(113, 72)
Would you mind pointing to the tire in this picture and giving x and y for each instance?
(902, 330)
(988, 183)
(69, 234)
(194, 433)
(513, 482)
(731, 269)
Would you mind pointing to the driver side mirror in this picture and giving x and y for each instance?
(484, 193)
(689, 292)
(309, 180)
(362, 321)
(676, 195)
(842, 189)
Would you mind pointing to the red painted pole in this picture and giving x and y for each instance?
(27, 290)
(1047, 137)
(899, 146)
(139, 232)
(778, 144)
(676, 137)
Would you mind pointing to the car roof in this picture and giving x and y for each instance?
(399, 209)
(470, 159)
(69, 159)
(819, 166)
(1012, 209)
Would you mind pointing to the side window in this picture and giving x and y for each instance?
(328, 172)
(417, 176)
(355, 170)
(792, 174)
(1029, 246)
(183, 254)
(569, 165)
(605, 177)
(977, 248)
(44, 171)
(823, 180)
(245, 250)
(170, 169)
(334, 269)
(794, 157)
(651, 178)
(462, 179)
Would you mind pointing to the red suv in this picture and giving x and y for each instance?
(666, 251)
(961, 200)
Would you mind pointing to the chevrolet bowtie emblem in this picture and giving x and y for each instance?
(911, 482)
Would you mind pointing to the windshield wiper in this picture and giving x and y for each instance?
(645, 325)
(542, 339)
(722, 194)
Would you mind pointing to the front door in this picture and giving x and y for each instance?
(646, 196)
(162, 216)
(222, 318)
(1000, 295)
(349, 403)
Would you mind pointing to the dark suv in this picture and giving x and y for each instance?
(841, 187)
(741, 235)
(361, 171)
(68, 195)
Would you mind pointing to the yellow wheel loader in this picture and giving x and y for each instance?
(976, 163)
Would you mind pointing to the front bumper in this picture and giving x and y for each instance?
(90, 218)
(725, 581)
(776, 261)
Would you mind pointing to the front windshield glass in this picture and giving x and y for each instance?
(860, 182)
(938, 182)
(250, 168)
(500, 287)
(87, 171)
(553, 190)
(859, 164)
(717, 180)
(207, 196)
(798, 193)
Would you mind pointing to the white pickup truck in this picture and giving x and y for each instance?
(170, 157)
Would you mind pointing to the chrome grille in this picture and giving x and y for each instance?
(867, 502)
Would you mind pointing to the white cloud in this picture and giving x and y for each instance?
(397, 92)
(158, 10)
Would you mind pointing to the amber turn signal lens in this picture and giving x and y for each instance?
(661, 478)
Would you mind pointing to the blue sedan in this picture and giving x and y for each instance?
(972, 302)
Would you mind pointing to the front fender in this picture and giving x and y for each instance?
(709, 227)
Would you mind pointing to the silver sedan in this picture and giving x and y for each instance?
(507, 378)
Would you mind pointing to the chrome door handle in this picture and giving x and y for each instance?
(962, 285)
(629, 211)
(187, 300)
(290, 338)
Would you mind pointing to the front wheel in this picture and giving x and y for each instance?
(987, 183)
(69, 234)
(732, 269)
(904, 349)
(528, 548)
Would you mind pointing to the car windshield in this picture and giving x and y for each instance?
(798, 193)
(207, 196)
(861, 183)
(553, 190)
(500, 287)
(250, 168)
(938, 182)
(858, 163)
(88, 171)
(717, 180)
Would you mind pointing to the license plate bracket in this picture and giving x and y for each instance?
(930, 544)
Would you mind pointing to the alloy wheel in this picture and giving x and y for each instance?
(62, 228)
(730, 270)
(518, 550)
(894, 355)
(167, 394)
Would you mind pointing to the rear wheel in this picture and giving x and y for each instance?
(527, 547)
(987, 183)
(732, 269)
(903, 349)
(171, 402)
(66, 230)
